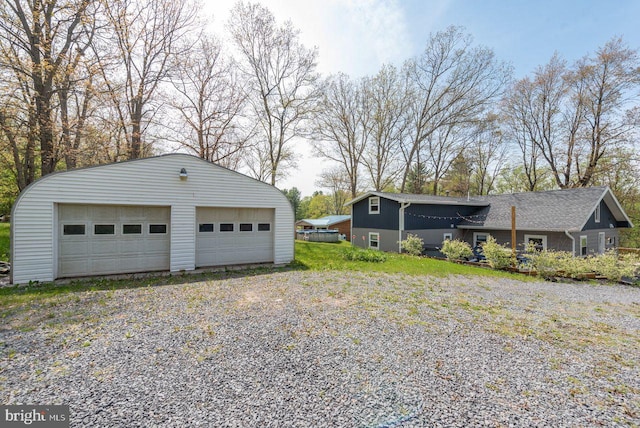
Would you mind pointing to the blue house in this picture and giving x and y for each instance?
(583, 220)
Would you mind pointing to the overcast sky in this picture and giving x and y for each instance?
(358, 36)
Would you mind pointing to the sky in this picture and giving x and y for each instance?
(357, 37)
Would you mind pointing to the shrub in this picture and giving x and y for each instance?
(357, 254)
(615, 268)
(498, 256)
(546, 263)
(456, 250)
(412, 245)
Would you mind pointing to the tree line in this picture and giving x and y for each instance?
(86, 82)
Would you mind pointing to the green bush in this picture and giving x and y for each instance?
(456, 250)
(357, 254)
(545, 263)
(614, 267)
(498, 256)
(412, 245)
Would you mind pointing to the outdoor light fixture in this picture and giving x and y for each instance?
(183, 174)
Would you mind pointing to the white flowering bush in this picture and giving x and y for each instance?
(498, 256)
(456, 250)
(412, 245)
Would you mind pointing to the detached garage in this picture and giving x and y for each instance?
(168, 213)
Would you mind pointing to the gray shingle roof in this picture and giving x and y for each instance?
(555, 210)
(424, 199)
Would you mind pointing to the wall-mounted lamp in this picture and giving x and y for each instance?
(452, 226)
(183, 174)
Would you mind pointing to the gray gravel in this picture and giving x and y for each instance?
(299, 349)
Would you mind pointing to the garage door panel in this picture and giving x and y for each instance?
(106, 249)
(101, 248)
(74, 248)
(235, 247)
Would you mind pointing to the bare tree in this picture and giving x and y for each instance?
(387, 122)
(520, 128)
(144, 37)
(450, 85)
(573, 117)
(209, 103)
(487, 151)
(281, 79)
(341, 126)
(38, 37)
(605, 86)
(335, 180)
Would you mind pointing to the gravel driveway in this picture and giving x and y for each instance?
(339, 349)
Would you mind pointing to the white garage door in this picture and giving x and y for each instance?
(226, 236)
(98, 239)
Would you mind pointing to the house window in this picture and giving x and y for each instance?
(374, 241)
(246, 227)
(73, 229)
(205, 227)
(374, 205)
(264, 227)
(226, 227)
(104, 229)
(157, 228)
(479, 239)
(539, 241)
(597, 214)
(131, 229)
(583, 245)
(447, 237)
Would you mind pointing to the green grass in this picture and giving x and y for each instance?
(328, 256)
(308, 256)
(4, 241)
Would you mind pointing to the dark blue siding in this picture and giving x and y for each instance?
(606, 218)
(419, 217)
(386, 219)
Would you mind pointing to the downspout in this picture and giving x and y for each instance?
(573, 241)
(403, 205)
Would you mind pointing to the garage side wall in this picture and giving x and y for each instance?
(153, 182)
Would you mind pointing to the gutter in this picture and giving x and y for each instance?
(403, 205)
(573, 241)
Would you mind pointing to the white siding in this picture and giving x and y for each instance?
(152, 181)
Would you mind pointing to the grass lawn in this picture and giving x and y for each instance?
(4, 241)
(328, 256)
(317, 256)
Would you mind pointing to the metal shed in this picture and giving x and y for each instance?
(173, 213)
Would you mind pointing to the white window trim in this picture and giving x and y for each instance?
(377, 240)
(597, 214)
(374, 200)
(543, 237)
(586, 245)
(446, 236)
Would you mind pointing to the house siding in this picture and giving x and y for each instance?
(429, 216)
(592, 240)
(606, 218)
(387, 218)
(388, 238)
(433, 238)
(144, 182)
(557, 241)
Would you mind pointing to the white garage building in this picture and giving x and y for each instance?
(168, 213)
